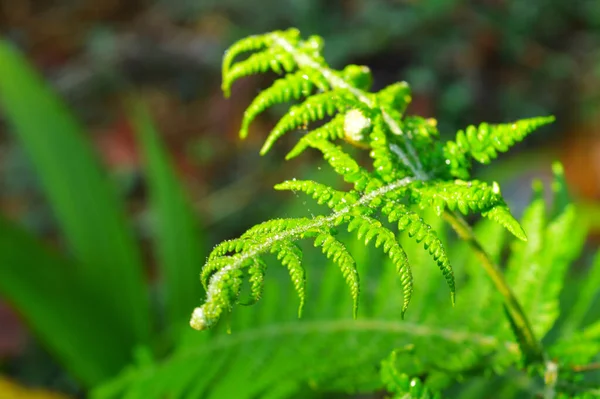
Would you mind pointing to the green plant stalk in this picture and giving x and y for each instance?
(532, 348)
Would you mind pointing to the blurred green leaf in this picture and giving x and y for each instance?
(84, 204)
(586, 294)
(69, 318)
(177, 239)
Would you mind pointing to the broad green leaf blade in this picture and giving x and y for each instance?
(177, 238)
(74, 322)
(83, 202)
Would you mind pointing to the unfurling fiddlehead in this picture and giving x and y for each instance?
(409, 167)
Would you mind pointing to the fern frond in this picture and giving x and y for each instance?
(290, 256)
(256, 273)
(275, 226)
(230, 246)
(332, 130)
(221, 294)
(417, 228)
(212, 266)
(410, 165)
(336, 250)
(501, 215)
(247, 44)
(467, 197)
(290, 87)
(269, 60)
(346, 207)
(396, 96)
(368, 228)
(353, 127)
(419, 127)
(323, 194)
(259, 63)
(315, 108)
(358, 76)
(483, 143)
(346, 166)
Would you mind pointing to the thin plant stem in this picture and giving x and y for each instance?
(530, 345)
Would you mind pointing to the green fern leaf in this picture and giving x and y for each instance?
(501, 214)
(252, 43)
(315, 108)
(256, 273)
(290, 87)
(272, 59)
(337, 251)
(484, 142)
(275, 226)
(396, 96)
(419, 230)
(212, 266)
(346, 166)
(420, 128)
(330, 131)
(323, 194)
(290, 256)
(227, 246)
(368, 228)
(467, 197)
(237, 255)
(221, 293)
(358, 76)
(410, 165)
(257, 64)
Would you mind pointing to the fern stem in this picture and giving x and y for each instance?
(531, 347)
(418, 173)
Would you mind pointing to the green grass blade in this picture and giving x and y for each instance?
(84, 204)
(177, 237)
(72, 320)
